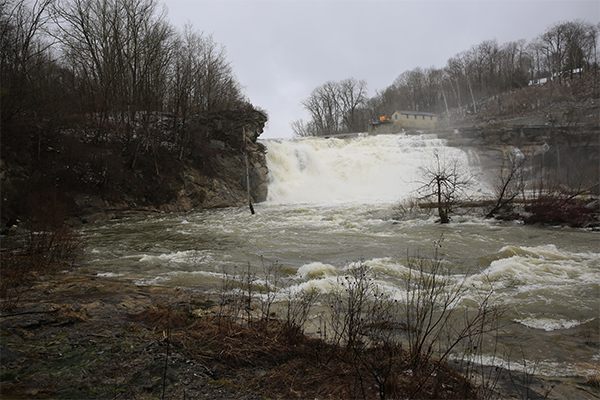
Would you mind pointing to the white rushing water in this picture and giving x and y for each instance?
(334, 201)
(384, 167)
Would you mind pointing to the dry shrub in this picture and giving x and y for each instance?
(593, 381)
(560, 209)
(240, 345)
(298, 306)
(67, 314)
(159, 316)
(407, 209)
(48, 245)
(17, 275)
(48, 236)
(267, 360)
(291, 366)
(19, 269)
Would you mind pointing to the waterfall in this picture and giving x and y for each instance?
(372, 168)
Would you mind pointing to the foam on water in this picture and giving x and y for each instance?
(514, 362)
(321, 285)
(551, 324)
(561, 286)
(541, 265)
(109, 274)
(179, 257)
(316, 270)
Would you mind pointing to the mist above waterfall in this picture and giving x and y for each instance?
(372, 168)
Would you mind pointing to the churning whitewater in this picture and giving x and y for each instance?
(332, 202)
(371, 168)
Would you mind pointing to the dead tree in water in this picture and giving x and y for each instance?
(444, 180)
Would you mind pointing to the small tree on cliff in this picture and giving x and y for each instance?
(445, 180)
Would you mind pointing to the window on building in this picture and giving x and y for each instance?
(431, 118)
(423, 118)
(415, 117)
(407, 116)
(396, 116)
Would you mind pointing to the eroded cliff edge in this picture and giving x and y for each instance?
(198, 186)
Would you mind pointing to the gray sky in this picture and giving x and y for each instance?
(281, 50)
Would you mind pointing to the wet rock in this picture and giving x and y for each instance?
(9, 355)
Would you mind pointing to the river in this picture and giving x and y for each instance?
(333, 201)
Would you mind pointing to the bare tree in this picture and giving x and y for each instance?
(445, 179)
(429, 305)
(201, 81)
(431, 315)
(118, 50)
(302, 128)
(461, 70)
(352, 96)
(535, 51)
(24, 54)
(569, 45)
(515, 65)
(455, 75)
(511, 181)
(487, 69)
(335, 107)
(324, 107)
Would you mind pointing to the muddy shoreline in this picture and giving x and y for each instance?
(72, 336)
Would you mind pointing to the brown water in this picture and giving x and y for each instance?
(547, 278)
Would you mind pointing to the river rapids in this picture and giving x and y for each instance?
(333, 201)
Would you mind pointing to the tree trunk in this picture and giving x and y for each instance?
(442, 209)
(247, 172)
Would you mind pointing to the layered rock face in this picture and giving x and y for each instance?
(93, 181)
(563, 143)
(193, 188)
(228, 188)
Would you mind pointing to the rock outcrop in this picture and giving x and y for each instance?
(564, 140)
(194, 188)
(100, 181)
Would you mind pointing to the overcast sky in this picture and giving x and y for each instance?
(281, 50)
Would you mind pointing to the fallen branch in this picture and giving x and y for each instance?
(30, 312)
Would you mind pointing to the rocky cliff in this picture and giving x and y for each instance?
(86, 182)
(553, 124)
(193, 187)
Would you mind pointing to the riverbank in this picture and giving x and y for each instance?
(83, 336)
(71, 337)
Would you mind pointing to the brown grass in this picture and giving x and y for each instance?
(48, 244)
(161, 317)
(593, 381)
(284, 364)
(18, 272)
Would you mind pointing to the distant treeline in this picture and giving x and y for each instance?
(484, 70)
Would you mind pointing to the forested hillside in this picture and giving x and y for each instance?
(469, 81)
(106, 99)
(528, 109)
